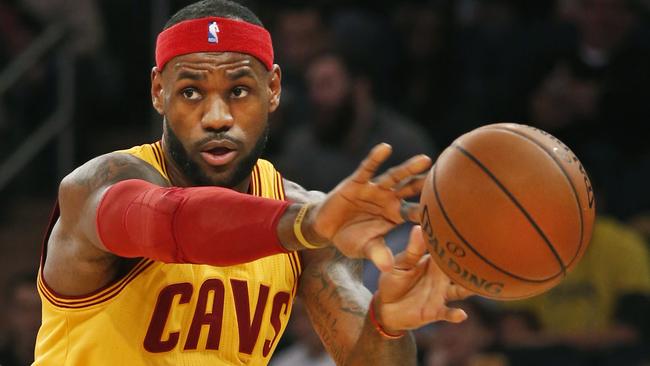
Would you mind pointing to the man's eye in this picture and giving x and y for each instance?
(239, 92)
(190, 93)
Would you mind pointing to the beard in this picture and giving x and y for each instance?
(197, 176)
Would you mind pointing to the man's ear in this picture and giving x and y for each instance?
(157, 98)
(275, 87)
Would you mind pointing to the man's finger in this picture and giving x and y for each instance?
(372, 162)
(453, 315)
(410, 212)
(395, 176)
(456, 292)
(414, 251)
(378, 253)
(412, 188)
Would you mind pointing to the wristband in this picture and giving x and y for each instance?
(378, 327)
(297, 228)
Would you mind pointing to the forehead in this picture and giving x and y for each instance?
(214, 62)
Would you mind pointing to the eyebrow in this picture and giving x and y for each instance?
(240, 73)
(185, 74)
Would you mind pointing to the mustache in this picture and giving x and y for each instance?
(222, 135)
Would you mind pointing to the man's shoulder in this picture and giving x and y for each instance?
(105, 170)
(104, 165)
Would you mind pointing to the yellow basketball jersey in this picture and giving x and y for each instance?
(175, 314)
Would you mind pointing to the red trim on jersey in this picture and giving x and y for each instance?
(258, 181)
(160, 157)
(115, 289)
(97, 294)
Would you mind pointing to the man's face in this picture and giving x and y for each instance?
(216, 108)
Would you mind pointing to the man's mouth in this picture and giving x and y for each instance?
(218, 153)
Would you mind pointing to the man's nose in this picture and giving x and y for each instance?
(217, 116)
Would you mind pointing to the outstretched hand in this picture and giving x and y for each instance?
(360, 211)
(415, 292)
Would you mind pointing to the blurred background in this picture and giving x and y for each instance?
(74, 83)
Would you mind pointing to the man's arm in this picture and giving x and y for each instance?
(337, 303)
(222, 227)
(119, 206)
(336, 300)
(412, 294)
(76, 262)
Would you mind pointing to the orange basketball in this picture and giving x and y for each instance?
(507, 211)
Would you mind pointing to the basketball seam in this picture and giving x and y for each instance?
(516, 202)
(471, 247)
(566, 175)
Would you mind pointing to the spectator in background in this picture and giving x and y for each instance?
(580, 311)
(631, 315)
(370, 46)
(421, 89)
(345, 121)
(471, 343)
(486, 49)
(307, 348)
(299, 34)
(22, 319)
(522, 340)
(594, 97)
(525, 344)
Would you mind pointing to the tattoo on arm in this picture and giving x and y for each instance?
(81, 190)
(332, 290)
(336, 300)
(109, 170)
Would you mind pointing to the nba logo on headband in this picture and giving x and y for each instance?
(213, 29)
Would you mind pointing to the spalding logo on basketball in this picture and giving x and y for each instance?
(507, 211)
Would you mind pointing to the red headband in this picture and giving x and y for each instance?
(214, 34)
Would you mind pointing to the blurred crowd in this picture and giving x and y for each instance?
(415, 74)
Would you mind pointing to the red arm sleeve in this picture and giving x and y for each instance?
(204, 225)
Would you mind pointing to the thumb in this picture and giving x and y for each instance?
(414, 251)
(378, 253)
(454, 315)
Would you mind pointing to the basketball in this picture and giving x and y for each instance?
(507, 211)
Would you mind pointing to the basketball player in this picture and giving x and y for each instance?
(190, 250)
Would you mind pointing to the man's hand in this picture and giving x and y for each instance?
(416, 291)
(357, 214)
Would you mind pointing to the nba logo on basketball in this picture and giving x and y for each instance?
(213, 29)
